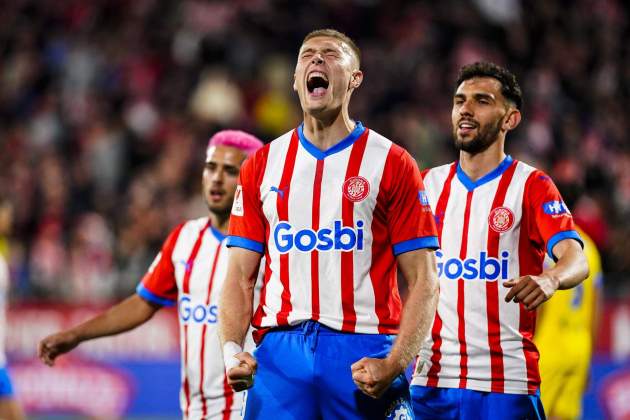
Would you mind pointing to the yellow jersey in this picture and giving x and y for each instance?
(564, 337)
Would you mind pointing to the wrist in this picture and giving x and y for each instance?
(554, 280)
(396, 367)
(230, 350)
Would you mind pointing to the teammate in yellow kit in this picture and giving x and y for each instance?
(564, 336)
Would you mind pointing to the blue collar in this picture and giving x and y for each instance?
(217, 234)
(496, 172)
(319, 154)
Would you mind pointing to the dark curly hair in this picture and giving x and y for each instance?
(509, 86)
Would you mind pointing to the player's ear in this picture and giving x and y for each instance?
(356, 79)
(513, 119)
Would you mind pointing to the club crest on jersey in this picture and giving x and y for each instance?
(501, 219)
(237, 206)
(356, 188)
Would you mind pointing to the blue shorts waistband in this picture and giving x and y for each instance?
(308, 327)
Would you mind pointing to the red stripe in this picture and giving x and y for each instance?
(461, 327)
(440, 209)
(203, 331)
(492, 292)
(229, 398)
(347, 258)
(387, 302)
(186, 290)
(282, 205)
(530, 262)
(317, 189)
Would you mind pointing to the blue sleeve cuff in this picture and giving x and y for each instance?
(240, 242)
(416, 243)
(567, 234)
(149, 296)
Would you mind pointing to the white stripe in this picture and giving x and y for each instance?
(447, 306)
(372, 164)
(476, 298)
(331, 311)
(300, 217)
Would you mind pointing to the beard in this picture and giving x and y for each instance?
(486, 136)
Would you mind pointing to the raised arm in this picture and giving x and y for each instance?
(235, 315)
(373, 376)
(122, 317)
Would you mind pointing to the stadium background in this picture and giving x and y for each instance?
(105, 107)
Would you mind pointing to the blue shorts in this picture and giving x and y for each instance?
(304, 373)
(6, 389)
(466, 404)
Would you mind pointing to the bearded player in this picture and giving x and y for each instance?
(497, 218)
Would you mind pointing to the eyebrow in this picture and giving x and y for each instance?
(324, 50)
(477, 95)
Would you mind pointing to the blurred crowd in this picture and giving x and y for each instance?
(106, 105)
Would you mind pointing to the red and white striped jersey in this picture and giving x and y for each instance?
(189, 271)
(330, 224)
(491, 230)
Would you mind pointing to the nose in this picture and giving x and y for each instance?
(465, 109)
(217, 176)
(317, 59)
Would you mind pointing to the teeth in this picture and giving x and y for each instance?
(317, 74)
(466, 125)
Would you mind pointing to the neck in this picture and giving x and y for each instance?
(477, 165)
(326, 132)
(219, 221)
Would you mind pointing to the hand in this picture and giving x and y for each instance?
(242, 376)
(531, 290)
(52, 346)
(374, 376)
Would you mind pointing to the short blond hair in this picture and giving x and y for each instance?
(333, 33)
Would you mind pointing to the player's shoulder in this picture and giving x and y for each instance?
(535, 180)
(258, 160)
(376, 139)
(396, 154)
(190, 228)
(437, 174)
(279, 141)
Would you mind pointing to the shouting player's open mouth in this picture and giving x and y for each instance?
(317, 84)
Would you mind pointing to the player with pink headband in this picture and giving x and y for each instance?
(189, 271)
